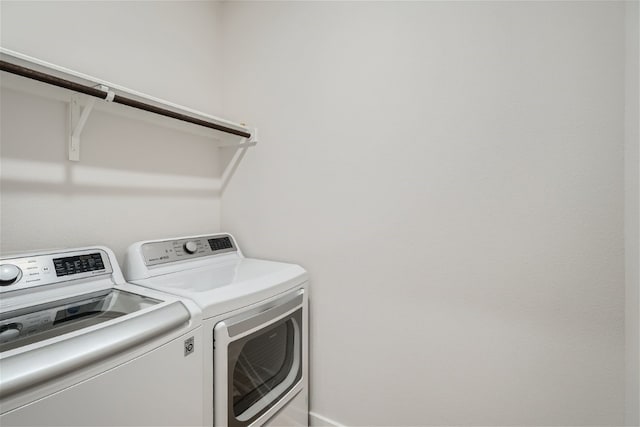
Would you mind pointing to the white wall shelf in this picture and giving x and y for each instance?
(84, 93)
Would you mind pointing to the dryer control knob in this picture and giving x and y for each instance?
(9, 274)
(190, 247)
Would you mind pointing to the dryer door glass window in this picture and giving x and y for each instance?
(263, 366)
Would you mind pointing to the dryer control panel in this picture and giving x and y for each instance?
(156, 253)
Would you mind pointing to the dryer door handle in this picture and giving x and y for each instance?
(23, 370)
(242, 324)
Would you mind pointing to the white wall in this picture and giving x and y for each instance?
(135, 180)
(632, 212)
(451, 174)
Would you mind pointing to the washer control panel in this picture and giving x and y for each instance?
(156, 253)
(39, 270)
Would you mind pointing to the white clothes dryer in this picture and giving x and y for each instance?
(255, 323)
(80, 347)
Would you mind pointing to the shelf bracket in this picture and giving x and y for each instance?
(237, 158)
(77, 122)
(78, 119)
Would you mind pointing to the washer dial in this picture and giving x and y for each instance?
(9, 332)
(9, 274)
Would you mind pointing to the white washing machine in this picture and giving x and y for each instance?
(79, 346)
(255, 323)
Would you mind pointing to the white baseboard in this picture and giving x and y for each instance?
(317, 420)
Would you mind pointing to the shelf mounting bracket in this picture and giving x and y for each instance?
(78, 119)
(241, 150)
(77, 122)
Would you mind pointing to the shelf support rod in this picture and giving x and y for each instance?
(118, 99)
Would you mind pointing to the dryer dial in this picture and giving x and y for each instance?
(190, 247)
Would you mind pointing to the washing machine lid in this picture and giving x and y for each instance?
(57, 318)
(230, 283)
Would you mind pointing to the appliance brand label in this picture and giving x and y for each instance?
(188, 346)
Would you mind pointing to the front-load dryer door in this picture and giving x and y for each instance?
(258, 362)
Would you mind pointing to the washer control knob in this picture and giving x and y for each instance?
(9, 274)
(190, 247)
(9, 332)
